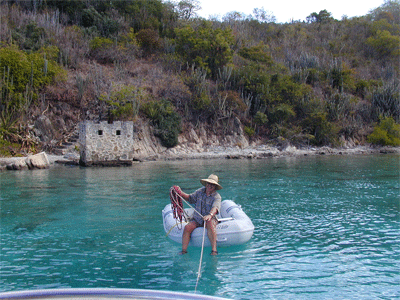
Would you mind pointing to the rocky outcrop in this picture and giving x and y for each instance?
(198, 143)
(191, 143)
(44, 129)
(145, 145)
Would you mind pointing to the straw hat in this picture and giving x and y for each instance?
(213, 179)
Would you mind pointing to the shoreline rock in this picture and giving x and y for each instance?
(37, 161)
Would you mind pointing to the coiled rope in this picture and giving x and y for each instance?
(176, 203)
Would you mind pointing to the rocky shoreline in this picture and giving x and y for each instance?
(265, 151)
(44, 160)
(194, 144)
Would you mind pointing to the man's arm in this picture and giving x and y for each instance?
(185, 196)
(214, 210)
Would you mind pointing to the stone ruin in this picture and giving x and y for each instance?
(106, 144)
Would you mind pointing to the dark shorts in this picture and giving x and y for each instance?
(202, 224)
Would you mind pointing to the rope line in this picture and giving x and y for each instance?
(169, 231)
(201, 258)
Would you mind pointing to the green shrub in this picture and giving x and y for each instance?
(128, 39)
(36, 69)
(251, 78)
(362, 88)
(166, 120)
(284, 89)
(105, 24)
(8, 149)
(281, 113)
(201, 101)
(30, 37)
(323, 132)
(149, 41)
(234, 102)
(385, 44)
(205, 47)
(256, 54)
(200, 88)
(387, 133)
(21, 77)
(118, 50)
(100, 43)
(260, 118)
(340, 76)
(44, 70)
(249, 131)
(15, 67)
(143, 13)
(123, 102)
(386, 100)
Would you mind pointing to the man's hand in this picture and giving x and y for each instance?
(178, 189)
(207, 217)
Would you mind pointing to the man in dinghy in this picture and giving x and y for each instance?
(207, 203)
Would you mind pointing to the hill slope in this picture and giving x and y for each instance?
(320, 82)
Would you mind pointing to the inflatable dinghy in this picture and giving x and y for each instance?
(234, 226)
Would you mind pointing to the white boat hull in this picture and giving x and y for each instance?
(102, 294)
(236, 229)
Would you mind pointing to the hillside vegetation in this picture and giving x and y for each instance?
(318, 82)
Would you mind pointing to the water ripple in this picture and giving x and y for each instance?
(324, 229)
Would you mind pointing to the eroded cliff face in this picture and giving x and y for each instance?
(145, 145)
(191, 141)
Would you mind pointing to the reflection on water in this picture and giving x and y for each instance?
(325, 227)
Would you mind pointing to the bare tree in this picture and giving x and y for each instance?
(263, 16)
(187, 9)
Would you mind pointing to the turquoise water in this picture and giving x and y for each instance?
(325, 228)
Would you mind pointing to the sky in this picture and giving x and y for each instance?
(288, 10)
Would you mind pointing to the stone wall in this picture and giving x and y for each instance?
(106, 144)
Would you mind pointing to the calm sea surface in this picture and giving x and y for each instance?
(325, 228)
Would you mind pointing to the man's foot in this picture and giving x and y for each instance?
(214, 252)
(182, 252)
